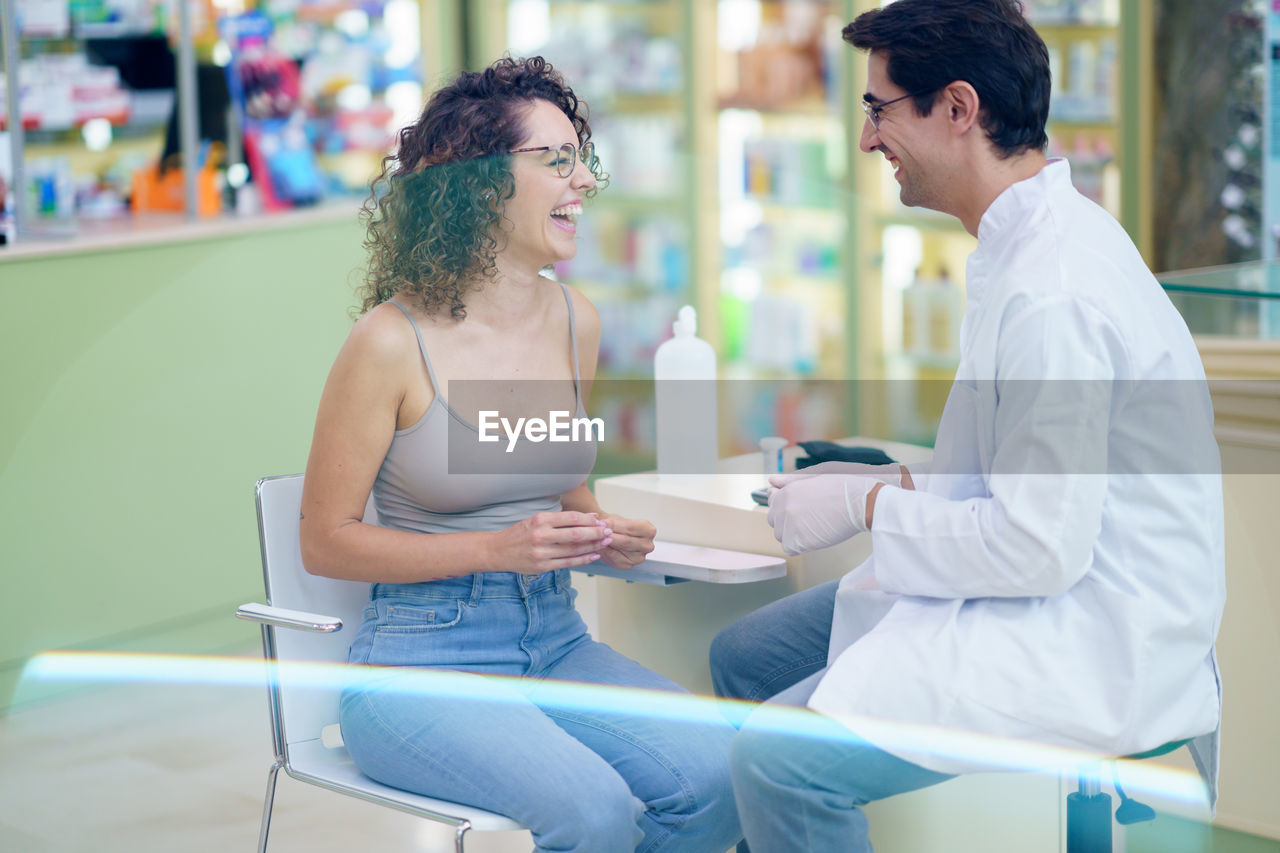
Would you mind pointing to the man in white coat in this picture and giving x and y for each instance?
(1056, 574)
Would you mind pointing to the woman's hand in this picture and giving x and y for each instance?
(551, 540)
(631, 542)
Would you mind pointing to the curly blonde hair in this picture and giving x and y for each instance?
(435, 207)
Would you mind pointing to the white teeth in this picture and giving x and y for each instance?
(572, 209)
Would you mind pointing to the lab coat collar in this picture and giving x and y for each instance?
(1010, 210)
(1010, 207)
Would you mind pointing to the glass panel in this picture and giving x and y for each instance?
(1238, 300)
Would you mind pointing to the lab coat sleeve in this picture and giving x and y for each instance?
(1043, 423)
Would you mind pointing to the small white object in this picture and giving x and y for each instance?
(331, 737)
(684, 372)
(97, 134)
(248, 201)
(771, 447)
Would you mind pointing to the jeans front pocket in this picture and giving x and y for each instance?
(413, 617)
(413, 634)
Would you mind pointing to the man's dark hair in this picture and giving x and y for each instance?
(986, 43)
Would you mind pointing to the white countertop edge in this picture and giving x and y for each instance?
(697, 563)
(163, 229)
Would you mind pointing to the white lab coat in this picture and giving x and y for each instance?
(1057, 576)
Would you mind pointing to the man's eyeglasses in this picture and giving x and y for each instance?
(567, 157)
(873, 110)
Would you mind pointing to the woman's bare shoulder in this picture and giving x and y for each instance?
(383, 337)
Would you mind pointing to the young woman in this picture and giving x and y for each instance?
(470, 571)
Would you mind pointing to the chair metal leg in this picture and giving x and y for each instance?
(268, 803)
(459, 831)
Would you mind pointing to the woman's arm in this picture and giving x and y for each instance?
(354, 427)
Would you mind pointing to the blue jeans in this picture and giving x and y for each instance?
(799, 776)
(582, 779)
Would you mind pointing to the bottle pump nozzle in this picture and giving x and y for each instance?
(686, 322)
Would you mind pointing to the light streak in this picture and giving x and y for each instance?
(301, 678)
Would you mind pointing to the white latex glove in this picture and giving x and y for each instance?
(812, 511)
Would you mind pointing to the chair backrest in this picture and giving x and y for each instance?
(304, 708)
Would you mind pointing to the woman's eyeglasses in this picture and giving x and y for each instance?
(567, 157)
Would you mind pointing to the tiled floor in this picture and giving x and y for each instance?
(179, 768)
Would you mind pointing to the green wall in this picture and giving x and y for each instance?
(144, 391)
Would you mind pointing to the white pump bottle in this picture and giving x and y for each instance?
(684, 372)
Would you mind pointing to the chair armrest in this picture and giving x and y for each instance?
(265, 614)
(670, 562)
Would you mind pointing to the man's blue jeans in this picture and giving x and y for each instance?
(798, 776)
(582, 779)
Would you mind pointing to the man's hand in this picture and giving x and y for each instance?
(812, 511)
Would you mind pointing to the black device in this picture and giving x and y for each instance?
(761, 496)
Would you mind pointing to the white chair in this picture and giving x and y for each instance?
(304, 713)
(303, 704)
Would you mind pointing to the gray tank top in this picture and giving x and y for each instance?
(416, 491)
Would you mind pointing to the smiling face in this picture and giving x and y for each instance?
(912, 143)
(540, 219)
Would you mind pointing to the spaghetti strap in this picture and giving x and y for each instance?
(573, 344)
(435, 386)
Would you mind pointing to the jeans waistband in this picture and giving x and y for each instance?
(478, 586)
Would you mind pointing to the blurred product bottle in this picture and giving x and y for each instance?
(684, 372)
(931, 314)
(946, 308)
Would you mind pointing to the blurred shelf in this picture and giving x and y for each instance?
(812, 108)
(796, 213)
(780, 281)
(1100, 124)
(611, 200)
(644, 102)
(924, 360)
(114, 30)
(1053, 30)
(119, 125)
(630, 291)
(633, 376)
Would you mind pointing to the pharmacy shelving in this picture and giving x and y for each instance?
(97, 81)
(85, 121)
(782, 168)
